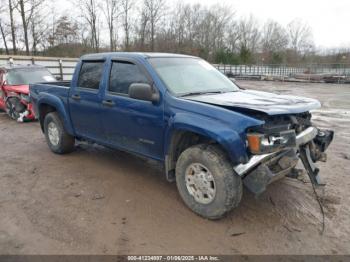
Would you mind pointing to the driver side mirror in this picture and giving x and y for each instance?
(143, 91)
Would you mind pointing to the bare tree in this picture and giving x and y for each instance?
(110, 10)
(126, 6)
(195, 29)
(32, 22)
(24, 24)
(249, 33)
(89, 9)
(38, 30)
(232, 36)
(27, 8)
(177, 24)
(249, 37)
(219, 16)
(66, 30)
(142, 30)
(274, 37)
(2, 29)
(185, 27)
(3, 34)
(154, 11)
(51, 38)
(274, 41)
(300, 36)
(12, 6)
(194, 16)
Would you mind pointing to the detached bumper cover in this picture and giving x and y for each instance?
(303, 138)
(271, 170)
(261, 170)
(312, 152)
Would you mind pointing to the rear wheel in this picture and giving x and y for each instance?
(206, 181)
(57, 138)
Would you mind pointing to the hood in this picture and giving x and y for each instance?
(22, 89)
(269, 103)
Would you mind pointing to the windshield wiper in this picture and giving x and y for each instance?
(201, 93)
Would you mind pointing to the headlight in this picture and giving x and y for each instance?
(263, 144)
(25, 97)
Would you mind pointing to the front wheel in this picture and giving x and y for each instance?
(57, 138)
(206, 181)
(14, 108)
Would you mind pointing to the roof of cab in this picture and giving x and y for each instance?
(131, 55)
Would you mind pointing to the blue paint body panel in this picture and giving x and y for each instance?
(147, 128)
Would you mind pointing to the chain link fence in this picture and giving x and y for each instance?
(310, 72)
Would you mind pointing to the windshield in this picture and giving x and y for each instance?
(185, 76)
(25, 76)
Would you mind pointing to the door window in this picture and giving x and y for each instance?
(90, 74)
(123, 74)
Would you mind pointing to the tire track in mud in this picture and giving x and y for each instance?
(123, 239)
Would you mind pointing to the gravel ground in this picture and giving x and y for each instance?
(99, 201)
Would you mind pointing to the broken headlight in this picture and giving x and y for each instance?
(263, 144)
(25, 97)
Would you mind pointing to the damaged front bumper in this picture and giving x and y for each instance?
(262, 170)
(25, 111)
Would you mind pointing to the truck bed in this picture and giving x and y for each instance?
(59, 89)
(58, 83)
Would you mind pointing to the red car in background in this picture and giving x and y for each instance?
(14, 89)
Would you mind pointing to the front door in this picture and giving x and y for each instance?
(131, 124)
(85, 101)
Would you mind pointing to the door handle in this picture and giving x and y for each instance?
(108, 103)
(76, 97)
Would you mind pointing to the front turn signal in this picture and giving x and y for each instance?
(254, 142)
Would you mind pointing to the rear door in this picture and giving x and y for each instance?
(132, 124)
(85, 101)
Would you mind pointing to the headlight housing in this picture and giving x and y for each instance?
(263, 144)
(25, 97)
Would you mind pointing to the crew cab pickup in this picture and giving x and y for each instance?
(211, 135)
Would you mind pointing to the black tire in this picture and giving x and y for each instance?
(65, 142)
(14, 107)
(228, 185)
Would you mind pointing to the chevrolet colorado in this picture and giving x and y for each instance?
(211, 135)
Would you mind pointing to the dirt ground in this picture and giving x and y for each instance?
(99, 201)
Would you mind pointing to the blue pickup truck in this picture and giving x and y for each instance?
(211, 135)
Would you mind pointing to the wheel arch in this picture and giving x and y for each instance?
(47, 104)
(188, 132)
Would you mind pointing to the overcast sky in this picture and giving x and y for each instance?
(329, 19)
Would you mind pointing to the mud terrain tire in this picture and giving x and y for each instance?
(228, 185)
(57, 138)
